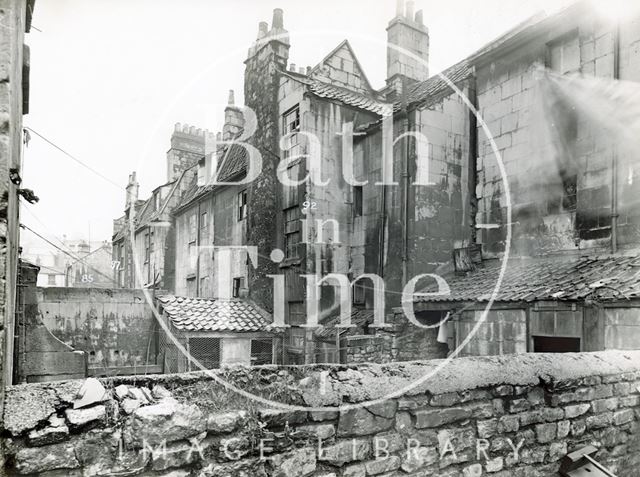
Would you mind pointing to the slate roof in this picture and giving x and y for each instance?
(208, 314)
(605, 278)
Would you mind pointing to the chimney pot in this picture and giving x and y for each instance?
(277, 21)
(263, 28)
(231, 100)
(292, 67)
(185, 128)
(409, 11)
(419, 17)
(301, 70)
(399, 8)
(177, 127)
(308, 70)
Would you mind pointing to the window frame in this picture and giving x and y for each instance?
(242, 200)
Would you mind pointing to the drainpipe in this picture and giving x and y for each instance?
(406, 151)
(614, 155)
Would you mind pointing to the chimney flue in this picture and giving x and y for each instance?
(278, 21)
(409, 11)
(231, 100)
(399, 8)
(419, 17)
(263, 28)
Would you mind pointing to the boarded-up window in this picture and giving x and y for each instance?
(556, 323)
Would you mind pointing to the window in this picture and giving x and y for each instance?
(203, 220)
(291, 120)
(290, 126)
(297, 314)
(51, 280)
(563, 55)
(193, 255)
(291, 231)
(555, 344)
(204, 287)
(147, 250)
(242, 205)
(237, 286)
(192, 228)
(357, 201)
(191, 286)
(206, 351)
(358, 293)
(261, 351)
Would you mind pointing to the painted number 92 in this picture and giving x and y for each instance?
(306, 205)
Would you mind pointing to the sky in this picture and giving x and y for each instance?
(110, 78)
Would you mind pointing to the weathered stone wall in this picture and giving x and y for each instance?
(503, 416)
(115, 327)
(561, 198)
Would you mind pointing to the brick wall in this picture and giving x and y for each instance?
(515, 417)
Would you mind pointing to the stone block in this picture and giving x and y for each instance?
(439, 417)
(576, 410)
(84, 416)
(56, 431)
(603, 405)
(360, 422)
(599, 421)
(557, 450)
(446, 399)
(487, 428)
(474, 470)
(32, 460)
(299, 463)
(494, 465)
(380, 466)
(508, 424)
(323, 415)
(278, 418)
(623, 417)
(415, 459)
(345, 451)
(225, 422)
(546, 432)
(321, 431)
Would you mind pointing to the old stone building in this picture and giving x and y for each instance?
(404, 183)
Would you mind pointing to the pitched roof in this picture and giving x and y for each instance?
(605, 278)
(359, 318)
(436, 85)
(233, 162)
(344, 44)
(208, 314)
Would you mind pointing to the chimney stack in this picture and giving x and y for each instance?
(406, 33)
(233, 119)
(131, 191)
(278, 21)
(263, 29)
(277, 36)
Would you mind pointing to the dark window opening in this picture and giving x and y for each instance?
(237, 286)
(291, 231)
(555, 344)
(357, 201)
(206, 351)
(242, 205)
(359, 293)
(261, 352)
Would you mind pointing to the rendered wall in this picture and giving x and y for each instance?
(115, 327)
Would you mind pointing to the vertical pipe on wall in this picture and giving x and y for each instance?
(406, 152)
(614, 154)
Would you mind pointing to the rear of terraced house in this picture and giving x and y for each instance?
(536, 179)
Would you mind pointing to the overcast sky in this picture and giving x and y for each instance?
(109, 78)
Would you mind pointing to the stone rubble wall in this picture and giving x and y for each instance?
(464, 420)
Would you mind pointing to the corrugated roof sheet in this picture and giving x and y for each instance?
(605, 278)
(207, 314)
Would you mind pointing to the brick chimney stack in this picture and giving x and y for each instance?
(233, 119)
(407, 33)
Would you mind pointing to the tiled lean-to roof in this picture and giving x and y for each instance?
(603, 278)
(208, 314)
